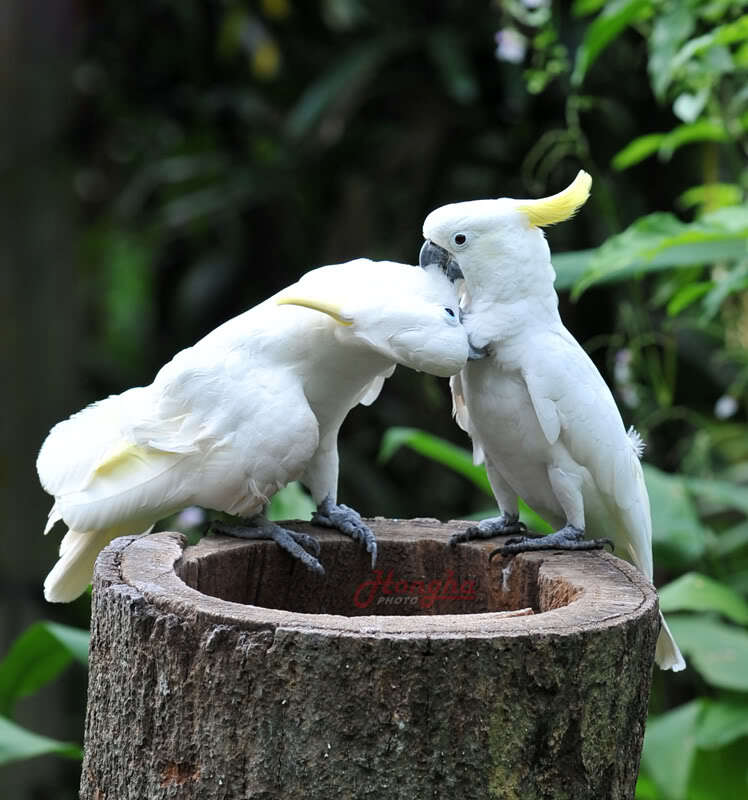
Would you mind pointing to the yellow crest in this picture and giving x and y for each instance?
(331, 309)
(561, 206)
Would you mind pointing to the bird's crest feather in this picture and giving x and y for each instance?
(331, 309)
(561, 206)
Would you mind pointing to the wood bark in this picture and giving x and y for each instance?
(225, 670)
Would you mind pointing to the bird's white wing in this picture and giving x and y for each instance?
(253, 437)
(575, 407)
(462, 417)
(78, 445)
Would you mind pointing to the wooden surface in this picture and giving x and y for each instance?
(226, 670)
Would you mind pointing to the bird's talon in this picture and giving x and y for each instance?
(348, 521)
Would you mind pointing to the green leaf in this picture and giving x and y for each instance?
(687, 295)
(583, 7)
(721, 36)
(697, 751)
(439, 450)
(571, 266)
(17, 743)
(532, 519)
(615, 17)
(695, 592)
(704, 130)
(455, 458)
(678, 536)
(711, 195)
(731, 540)
(715, 649)
(722, 722)
(723, 495)
(661, 241)
(291, 502)
(637, 150)
(720, 774)
(646, 788)
(36, 657)
(665, 144)
(671, 28)
(669, 747)
(736, 280)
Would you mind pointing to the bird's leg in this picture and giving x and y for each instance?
(488, 528)
(567, 538)
(301, 546)
(347, 521)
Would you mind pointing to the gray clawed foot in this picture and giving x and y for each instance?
(301, 546)
(488, 528)
(568, 538)
(347, 521)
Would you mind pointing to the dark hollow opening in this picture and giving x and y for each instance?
(417, 577)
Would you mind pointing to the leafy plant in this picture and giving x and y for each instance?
(36, 657)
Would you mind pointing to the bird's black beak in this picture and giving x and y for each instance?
(434, 254)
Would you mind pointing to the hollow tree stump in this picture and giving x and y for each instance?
(226, 670)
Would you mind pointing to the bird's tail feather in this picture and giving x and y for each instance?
(667, 653)
(72, 573)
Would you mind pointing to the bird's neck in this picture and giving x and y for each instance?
(494, 319)
(508, 287)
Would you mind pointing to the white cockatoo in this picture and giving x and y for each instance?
(255, 404)
(537, 410)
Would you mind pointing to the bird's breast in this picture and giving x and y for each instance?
(501, 412)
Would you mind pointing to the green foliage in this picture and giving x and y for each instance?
(697, 751)
(614, 18)
(17, 744)
(694, 592)
(35, 659)
(455, 458)
(660, 241)
(443, 452)
(291, 502)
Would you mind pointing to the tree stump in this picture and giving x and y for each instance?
(227, 670)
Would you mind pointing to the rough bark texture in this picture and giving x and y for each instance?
(227, 671)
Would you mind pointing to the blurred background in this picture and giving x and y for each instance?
(168, 164)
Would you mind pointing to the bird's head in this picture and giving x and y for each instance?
(407, 315)
(499, 245)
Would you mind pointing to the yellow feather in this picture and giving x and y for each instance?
(558, 207)
(330, 309)
(119, 456)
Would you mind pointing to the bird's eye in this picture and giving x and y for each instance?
(450, 312)
(459, 239)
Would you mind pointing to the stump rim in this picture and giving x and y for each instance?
(618, 594)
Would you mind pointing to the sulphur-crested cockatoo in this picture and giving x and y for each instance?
(539, 413)
(254, 405)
